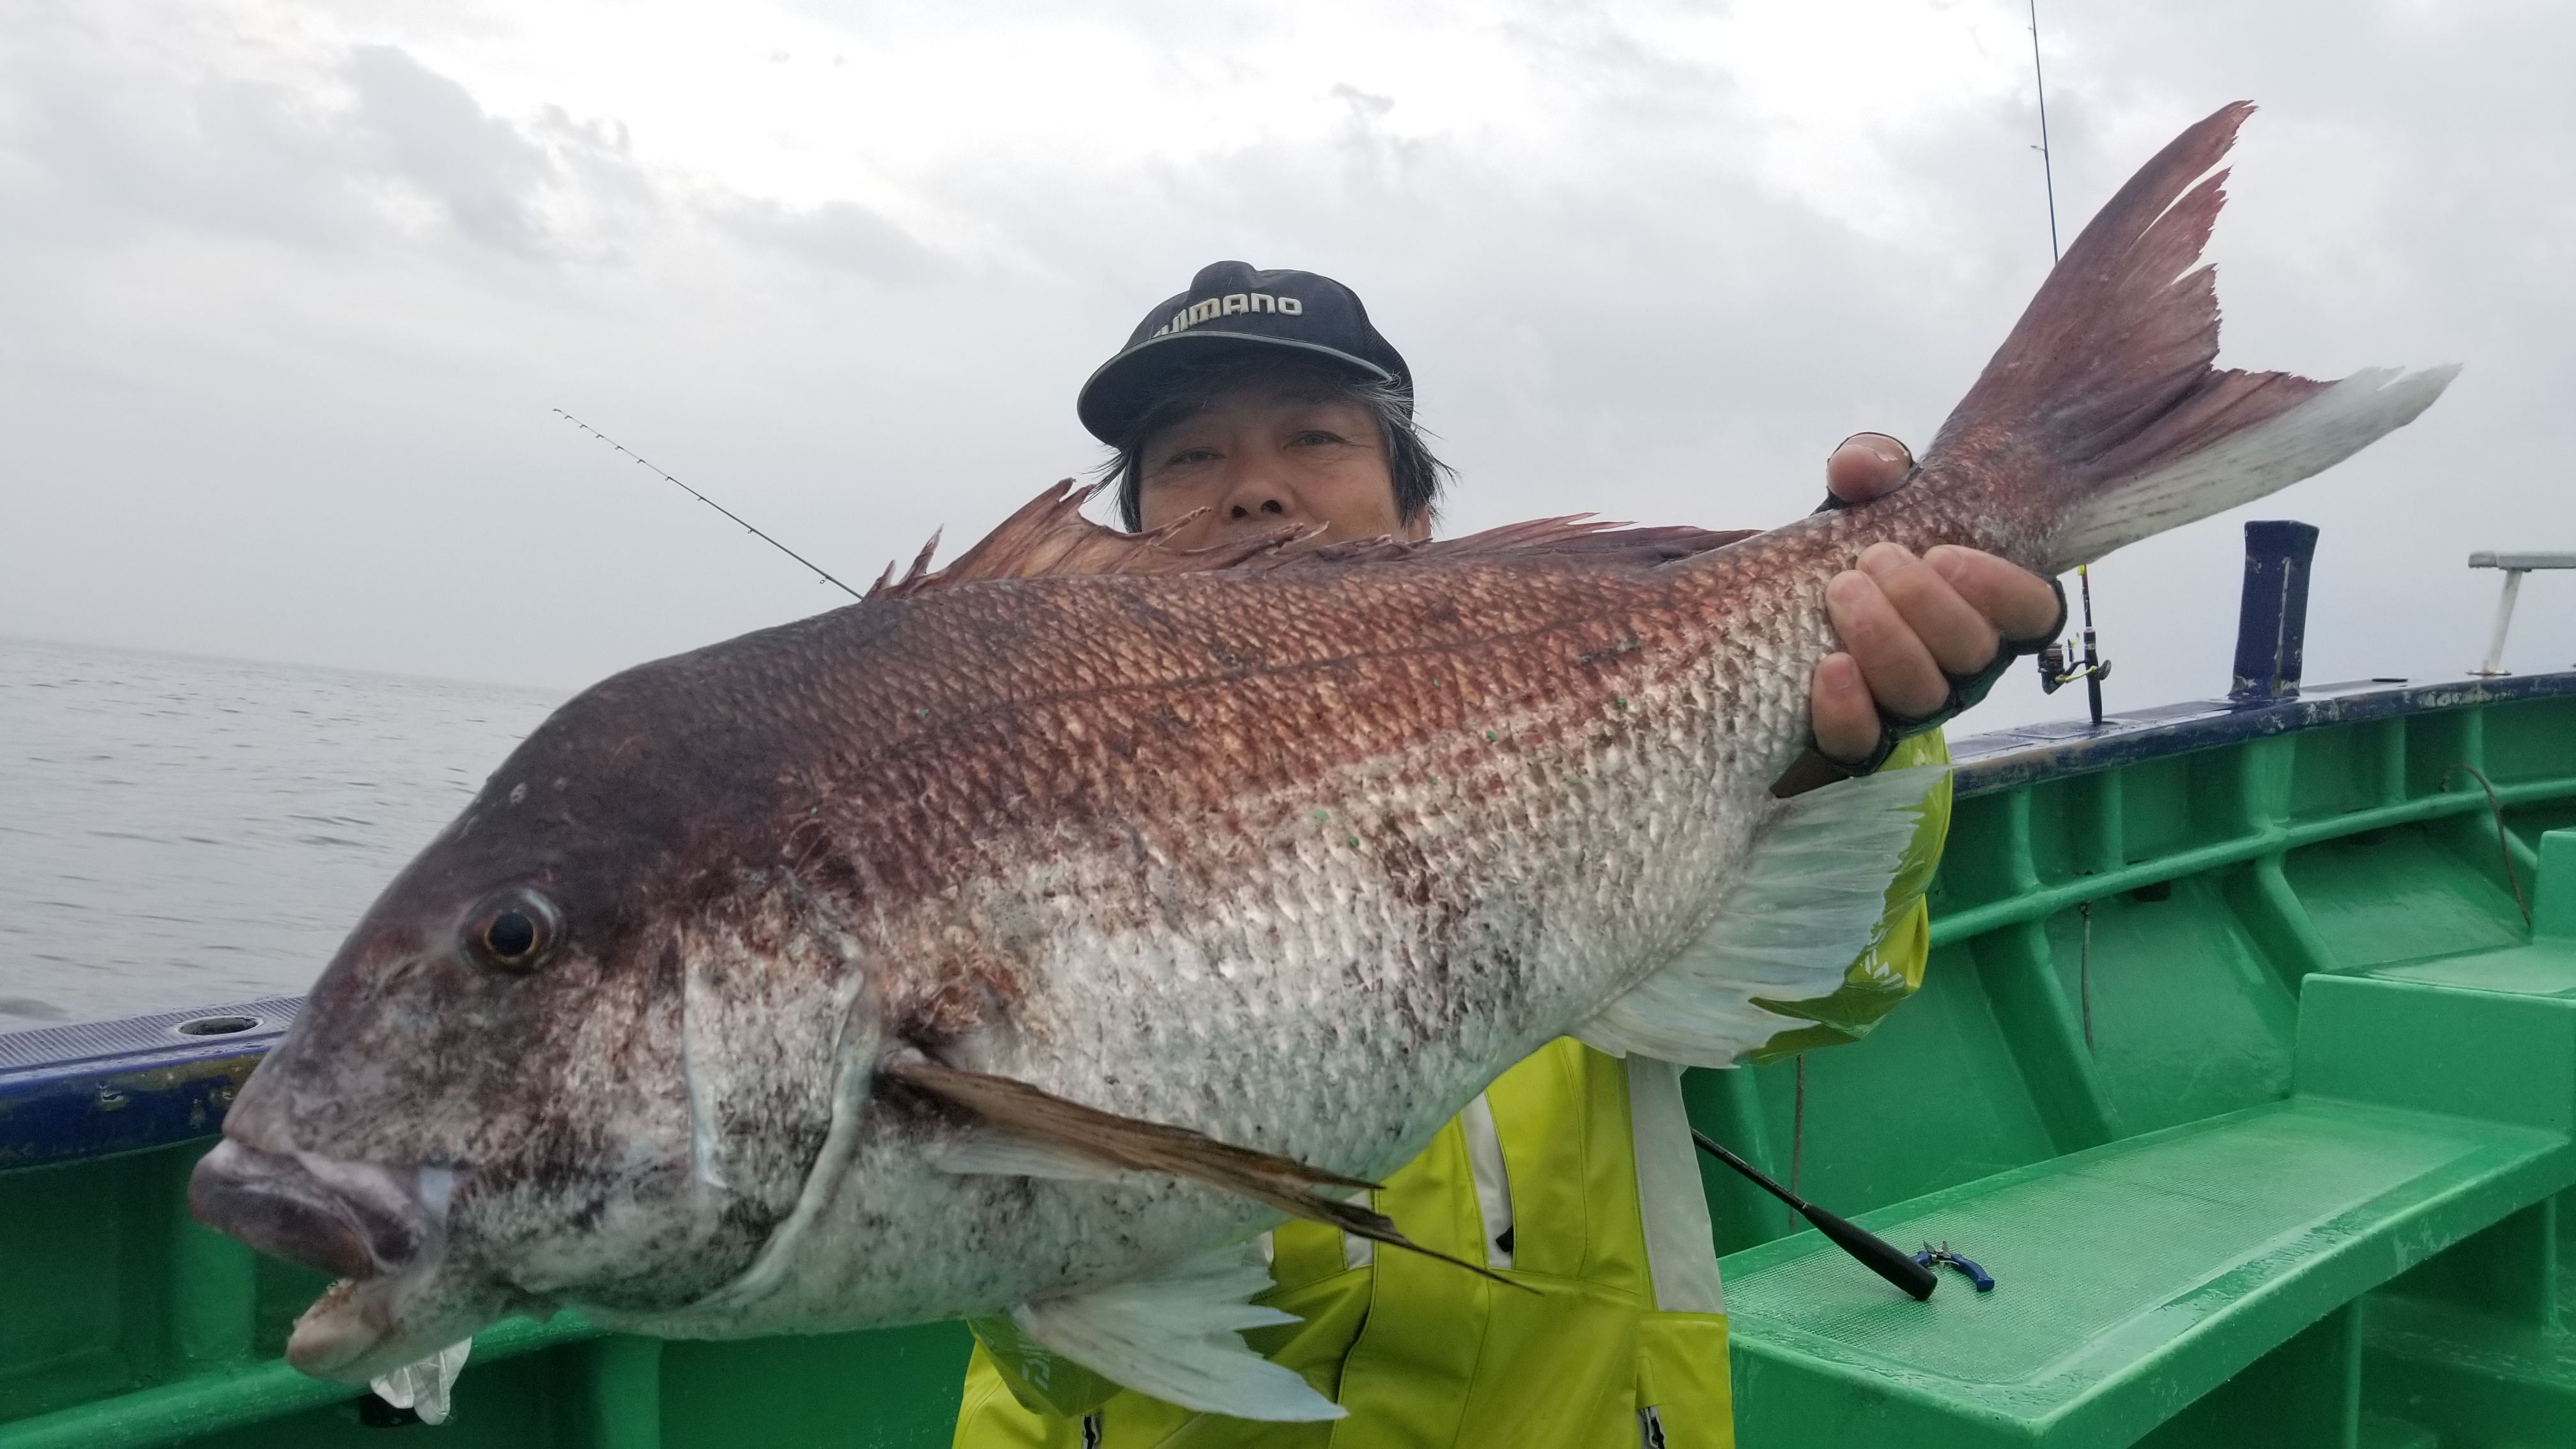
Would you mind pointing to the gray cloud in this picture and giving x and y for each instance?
(281, 343)
(378, 150)
(839, 235)
(427, 130)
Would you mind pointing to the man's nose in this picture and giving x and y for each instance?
(1256, 493)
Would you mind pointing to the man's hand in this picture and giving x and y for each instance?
(1907, 622)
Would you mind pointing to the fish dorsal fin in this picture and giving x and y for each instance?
(1576, 536)
(1176, 1334)
(1049, 538)
(1017, 1130)
(1812, 891)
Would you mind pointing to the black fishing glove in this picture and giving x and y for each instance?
(1815, 767)
(1967, 689)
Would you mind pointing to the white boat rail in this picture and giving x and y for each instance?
(2515, 565)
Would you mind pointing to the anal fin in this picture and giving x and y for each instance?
(1811, 892)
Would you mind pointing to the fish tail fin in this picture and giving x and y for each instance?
(2101, 420)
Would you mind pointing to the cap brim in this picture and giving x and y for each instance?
(1127, 385)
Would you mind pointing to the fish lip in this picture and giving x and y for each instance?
(382, 1230)
(354, 1331)
(355, 1219)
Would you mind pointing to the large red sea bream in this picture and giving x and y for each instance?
(1028, 937)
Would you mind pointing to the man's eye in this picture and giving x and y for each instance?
(1188, 456)
(1314, 438)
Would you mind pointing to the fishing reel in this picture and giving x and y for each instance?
(2058, 669)
(2057, 664)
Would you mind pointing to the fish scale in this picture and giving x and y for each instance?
(1366, 1090)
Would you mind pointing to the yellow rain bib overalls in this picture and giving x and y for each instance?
(1573, 1173)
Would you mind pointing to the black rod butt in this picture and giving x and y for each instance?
(1875, 1253)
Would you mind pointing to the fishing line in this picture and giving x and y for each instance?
(2052, 662)
(2084, 972)
(1798, 1123)
(2495, 808)
(711, 503)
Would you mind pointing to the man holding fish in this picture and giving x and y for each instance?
(1020, 943)
(1263, 402)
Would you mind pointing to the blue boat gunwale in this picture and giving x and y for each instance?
(92, 1089)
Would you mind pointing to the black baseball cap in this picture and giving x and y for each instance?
(1231, 307)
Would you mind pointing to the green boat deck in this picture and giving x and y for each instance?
(2322, 1123)
(2236, 1063)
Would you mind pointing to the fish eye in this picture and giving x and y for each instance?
(514, 930)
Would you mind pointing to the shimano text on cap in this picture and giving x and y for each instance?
(1231, 307)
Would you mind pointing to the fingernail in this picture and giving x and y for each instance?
(1948, 560)
(1847, 588)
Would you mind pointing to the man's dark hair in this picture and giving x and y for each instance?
(1418, 476)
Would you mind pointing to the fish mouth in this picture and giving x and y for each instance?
(382, 1230)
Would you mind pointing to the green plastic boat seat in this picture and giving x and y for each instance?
(2131, 1279)
(2432, 1104)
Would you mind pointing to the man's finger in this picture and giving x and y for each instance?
(1902, 676)
(2016, 601)
(1960, 639)
(1867, 466)
(1846, 720)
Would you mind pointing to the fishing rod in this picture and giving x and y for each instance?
(2053, 673)
(2047, 171)
(711, 503)
(1875, 1253)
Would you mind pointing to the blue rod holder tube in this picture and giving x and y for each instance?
(2272, 622)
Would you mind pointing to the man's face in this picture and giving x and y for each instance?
(1265, 455)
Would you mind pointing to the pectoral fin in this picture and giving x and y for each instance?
(1176, 1334)
(1810, 895)
(1016, 1129)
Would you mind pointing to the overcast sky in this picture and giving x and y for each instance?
(288, 292)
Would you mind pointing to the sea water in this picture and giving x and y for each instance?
(180, 832)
